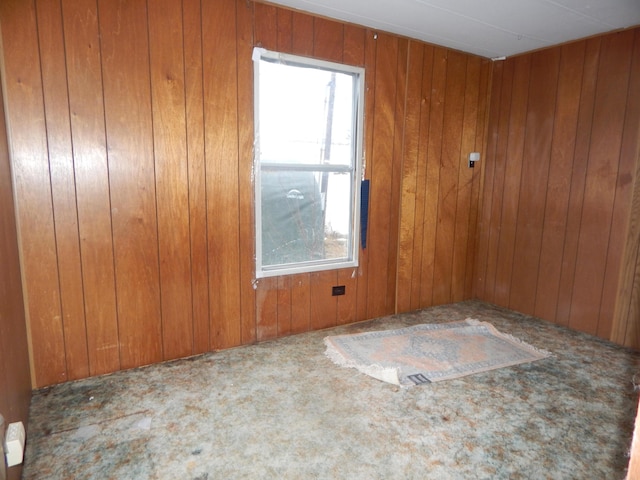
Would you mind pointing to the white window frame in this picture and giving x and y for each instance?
(355, 169)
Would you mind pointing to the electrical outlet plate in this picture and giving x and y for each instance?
(338, 290)
(14, 444)
(473, 158)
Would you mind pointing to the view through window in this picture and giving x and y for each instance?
(308, 127)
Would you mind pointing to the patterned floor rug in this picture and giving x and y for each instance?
(430, 352)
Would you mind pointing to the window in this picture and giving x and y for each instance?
(308, 150)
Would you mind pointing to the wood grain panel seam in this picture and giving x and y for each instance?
(460, 291)
(206, 175)
(51, 199)
(424, 128)
(155, 182)
(546, 197)
(401, 166)
(80, 249)
(584, 181)
(238, 266)
(571, 189)
(457, 176)
(189, 193)
(475, 222)
(503, 199)
(248, 309)
(415, 181)
(75, 191)
(522, 180)
(439, 165)
(615, 194)
(434, 163)
(592, 157)
(493, 146)
(107, 155)
(628, 279)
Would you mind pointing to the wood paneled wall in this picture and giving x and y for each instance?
(626, 318)
(562, 145)
(132, 137)
(15, 378)
(445, 119)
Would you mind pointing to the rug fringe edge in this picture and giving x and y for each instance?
(385, 374)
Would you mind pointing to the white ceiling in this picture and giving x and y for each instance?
(489, 28)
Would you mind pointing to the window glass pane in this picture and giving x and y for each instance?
(291, 217)
(337, 218)
(306, 115)
(305, 216)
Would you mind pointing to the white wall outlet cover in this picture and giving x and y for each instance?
(14, 444)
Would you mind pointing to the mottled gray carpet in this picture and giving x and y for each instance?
(281, 409)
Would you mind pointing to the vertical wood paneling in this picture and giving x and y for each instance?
(496, 226)
(267, 308)
(623, 196)
(54, 86)
(488, 169)
(623, 217)
(324, 307)
(381, 172)
(172, 175)
(302, 34)
(353, 49)
(33, 189)
(194, 112)
(579, 134)
(514, 144)
(581, 154)
(432, 184)
(127, 99)
(450, 163)
(328, 39)
(245, 43)
(284, 305)
(396, 174)
(600, 187)
(626, 306)
(285, 30)
(626, 327)
(559, 184)
(221, 147)
(265, 26)
(421, 177)
(300, 303)
(477, 180)
(409, 178)
(91, 170)
(15, 379)
(535, 175)
(371, 46)
(468, 123)
(347, 302)
(478, 176)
